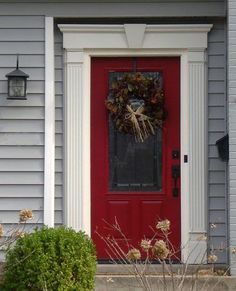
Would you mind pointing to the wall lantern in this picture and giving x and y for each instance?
(17, 84)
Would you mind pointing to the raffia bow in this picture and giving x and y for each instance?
(141, 124)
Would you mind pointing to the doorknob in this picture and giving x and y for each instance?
(175, 176)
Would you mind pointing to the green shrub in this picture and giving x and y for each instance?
(51, 259)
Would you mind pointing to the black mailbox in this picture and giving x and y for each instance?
(223, 147)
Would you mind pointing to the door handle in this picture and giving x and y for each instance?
(175, 176)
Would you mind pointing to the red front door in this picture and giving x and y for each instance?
(134, 182)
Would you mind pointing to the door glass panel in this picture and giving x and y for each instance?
(134, 166)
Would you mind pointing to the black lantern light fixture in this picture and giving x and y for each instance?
(17, 83)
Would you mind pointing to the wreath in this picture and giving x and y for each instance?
(136, 104)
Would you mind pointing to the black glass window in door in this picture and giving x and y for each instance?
(134, 166)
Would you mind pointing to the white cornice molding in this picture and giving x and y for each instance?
(77, 36)
(149, 28)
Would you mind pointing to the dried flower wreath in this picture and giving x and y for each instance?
(136, 104)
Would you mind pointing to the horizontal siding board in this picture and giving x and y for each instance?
(59, 127)
(58, 75)
(22, 48)
(216, 87)
(22, 22)
(21, 152)
(16, 113)
(216, 164)
(26, 152)
(19, 34)
(58, 62)
(24, 191)
(217, 35)
(22, 165)
(24, 126)
(217, 229)
(58, 179)
(58, 166)
(21, 178)
(59, 100)
(58, 114)
(216, 112)
(59, 191)
(216, 48)
(217, 216)
(216, 61)
(160, 9)
(212, 151)
(26, 61)
(217, 203)
(216, 125)
(22, 139)
(21, 203)
(216, 74)
(12, 216)
(32, 100)
(58, 48)
(217, 190)
(58, 88)
(216, 99)
(217, 177)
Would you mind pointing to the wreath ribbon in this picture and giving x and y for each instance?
(135, 117)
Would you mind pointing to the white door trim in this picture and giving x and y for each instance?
(189, 42)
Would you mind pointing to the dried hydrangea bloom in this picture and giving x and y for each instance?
(1, 230)
(202, 237)
(233, 251)
(212, 259)
(19, 234)
(145, 244)
(163, 225)
(25, 215)
(160, 250)
(213, 226)
(134, 254)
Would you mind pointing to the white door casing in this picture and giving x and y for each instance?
(189, 42)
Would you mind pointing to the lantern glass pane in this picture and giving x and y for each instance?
(17, 87)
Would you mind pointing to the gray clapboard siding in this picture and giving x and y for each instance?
(33, 100)
(26, 61)
(22, 123)
(13, 113)
(22, 152)
(20, 22)
(59, 108)
(18, 34)
(217, 202)
(112, 8)
(18, 191)
(217, 188)
(27, 126)
(20, 139)
(20, 47)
